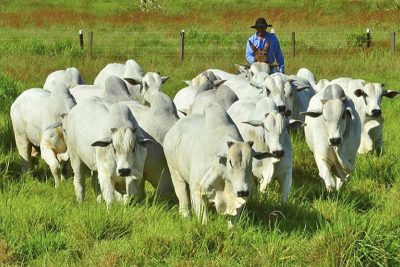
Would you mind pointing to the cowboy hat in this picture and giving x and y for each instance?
(261, 23)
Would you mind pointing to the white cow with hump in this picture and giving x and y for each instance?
(184, 98)
(309, 76)
(107, 139)
(155, 121)
(333, 133)
(139, 84)
(207, 153)
(367, 98)
(222, 95)
(268, 128)
(115, 90)
(294, 91)
(31, 113)
(70, 77)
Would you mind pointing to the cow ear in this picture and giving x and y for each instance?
(143, 140)
(218, 83)
(261, 155)
(323, 101)
(360, 92)
(295, 124)
(230, 143)
(222, 158)
(349, 112)
(242, 68)
(256, 86)
(132, 129)
(103, 142)
(164, 79)
(53, 126)
(183, 111)
(299, 89)
(114, 130)
(132, 81)
(255, 123)
(251, 143)
(313, 114)
(188, 82)
(390, 93)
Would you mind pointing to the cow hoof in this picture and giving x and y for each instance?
(331, 189)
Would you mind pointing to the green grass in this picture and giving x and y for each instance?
(43, 226)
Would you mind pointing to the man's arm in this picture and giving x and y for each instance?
(249, 53)
(279, 57)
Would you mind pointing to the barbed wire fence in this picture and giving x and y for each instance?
(183, 44)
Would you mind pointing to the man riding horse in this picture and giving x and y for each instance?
(263, 46)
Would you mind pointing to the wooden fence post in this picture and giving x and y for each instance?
(293, 44)
(90, 44)
(368, 38)
(81, 39)
(393, 41)
(182, 44)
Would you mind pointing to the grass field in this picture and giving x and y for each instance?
(43, 226)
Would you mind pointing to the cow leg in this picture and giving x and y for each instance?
(25, 150)
(107, 188)
(339, 183)
(379, 143)
(234, 219)
(285, 183)
(51, 159)
(134, 189)
(267, 175)
(96, 185)
(199, 205)
(325, 174)
(181, 192)
(79, 183)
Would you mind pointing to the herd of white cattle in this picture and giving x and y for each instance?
(220, 136)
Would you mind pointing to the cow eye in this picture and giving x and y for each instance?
(230, 163)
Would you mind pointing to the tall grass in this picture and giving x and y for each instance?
(40, 225)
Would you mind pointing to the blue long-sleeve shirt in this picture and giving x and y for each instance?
(274, 51)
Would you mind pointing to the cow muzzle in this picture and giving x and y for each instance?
(282, 109)
(376, 113)
(335, 141)
(124, 172)
(278, 154)
(244, 193)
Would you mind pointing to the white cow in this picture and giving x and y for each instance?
(207, 152)
(107, 139)
(184, 98)
(309, 76)
(333, 133)
(294, 91)
(245, 72)
(70, 77)
(155, 121)
(222, 95)
(140, 85)
(367, 98)
(31, 113)
(115, 90)
(130, 70)
(267, 127)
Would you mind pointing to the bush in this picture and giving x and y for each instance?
(357, 40)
